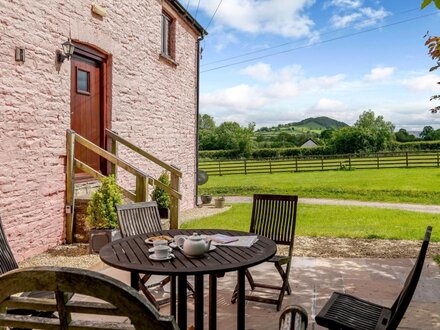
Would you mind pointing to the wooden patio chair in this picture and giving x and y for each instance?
(8, 263)
(84, 311)
(274, 216)
(343, 311)
(139, 218)
(293, 317)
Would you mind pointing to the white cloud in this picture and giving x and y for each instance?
(380, 73)
(271, 91)
(259, 71)
(278, 17)
(360, 18)
(423, 83)
(344, 3)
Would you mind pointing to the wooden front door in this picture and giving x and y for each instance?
(86, 107)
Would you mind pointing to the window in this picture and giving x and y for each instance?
(82, 81)
(167, 36)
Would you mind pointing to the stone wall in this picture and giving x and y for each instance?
(153, 105)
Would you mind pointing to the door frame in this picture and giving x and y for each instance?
(94, 53)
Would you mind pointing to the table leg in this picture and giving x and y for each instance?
(241, 300)
(173, 296)
(134, 280)
(181, 302)
(212, 302)
(198, 302)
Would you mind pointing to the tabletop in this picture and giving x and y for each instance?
(131, 254)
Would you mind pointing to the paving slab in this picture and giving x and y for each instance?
(314, 279)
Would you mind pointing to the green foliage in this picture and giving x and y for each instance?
(101, 210)
(159, 195)
(437, 259)
(403, 136)
(369, 134)
(335, 221)
(427, 2)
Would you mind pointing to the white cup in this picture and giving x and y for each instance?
(160, 242)
(162, 251)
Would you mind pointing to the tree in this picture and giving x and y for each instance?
(380, 132)
(426, 132)
(326, 134)
(206, 122)
(348, 140)
(403, 136)
(433, 44)
(230, 135)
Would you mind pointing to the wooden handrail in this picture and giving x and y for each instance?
(154, 159)
(142, 179)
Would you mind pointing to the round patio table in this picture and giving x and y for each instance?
(131, 254)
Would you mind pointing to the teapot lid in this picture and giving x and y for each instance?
(195, 237)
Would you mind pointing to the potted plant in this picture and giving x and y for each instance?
(219, 202)
(206, 199)
(101, 214)
(161, 197)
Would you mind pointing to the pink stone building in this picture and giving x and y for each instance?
(134, 70)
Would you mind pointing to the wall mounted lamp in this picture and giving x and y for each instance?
(67, 52)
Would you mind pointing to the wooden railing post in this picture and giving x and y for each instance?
(377, 160)
(114, 151)
(70, 176)
(174, 202)
(245, 169)
(407, 162)
(141, 188)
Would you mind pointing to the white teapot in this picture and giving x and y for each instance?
(194, 245)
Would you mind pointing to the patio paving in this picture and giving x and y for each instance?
(314, 279)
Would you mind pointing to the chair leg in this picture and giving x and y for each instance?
(251, 283)
(149, 296)
(283, 276)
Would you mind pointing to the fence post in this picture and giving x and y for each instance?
(70, 186)
(407, 163)
(245, 169)
(349, 162)
(438, 159)
(296, 164)
(270, 166)
(174, 202)
(377, 157)
(322, 163)
(219, 169)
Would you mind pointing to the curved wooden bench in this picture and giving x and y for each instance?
(118, 299)
(293, 317)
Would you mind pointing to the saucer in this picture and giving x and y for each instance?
(156, 258)
(151, 250)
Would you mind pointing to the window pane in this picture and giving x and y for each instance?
(83, 81)
(166, 21)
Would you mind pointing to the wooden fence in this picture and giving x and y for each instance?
(323, 163)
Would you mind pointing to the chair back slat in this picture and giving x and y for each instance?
(274, 216)
(115, 298)
(401, 304)
(138, 218)
(7, 260)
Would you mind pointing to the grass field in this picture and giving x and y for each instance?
(336, 221)
(419, 185)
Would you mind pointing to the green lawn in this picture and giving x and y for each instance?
(421, 185)
(336, 221)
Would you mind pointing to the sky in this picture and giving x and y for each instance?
(278, 61)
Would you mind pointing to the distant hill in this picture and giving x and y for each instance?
(315, 125)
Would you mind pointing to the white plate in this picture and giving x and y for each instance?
(151, 250)
(156, 258)
(149, 241)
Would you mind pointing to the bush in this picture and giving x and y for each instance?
(159, 195)
(101, 210)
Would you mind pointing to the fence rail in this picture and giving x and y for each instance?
(323, 163)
